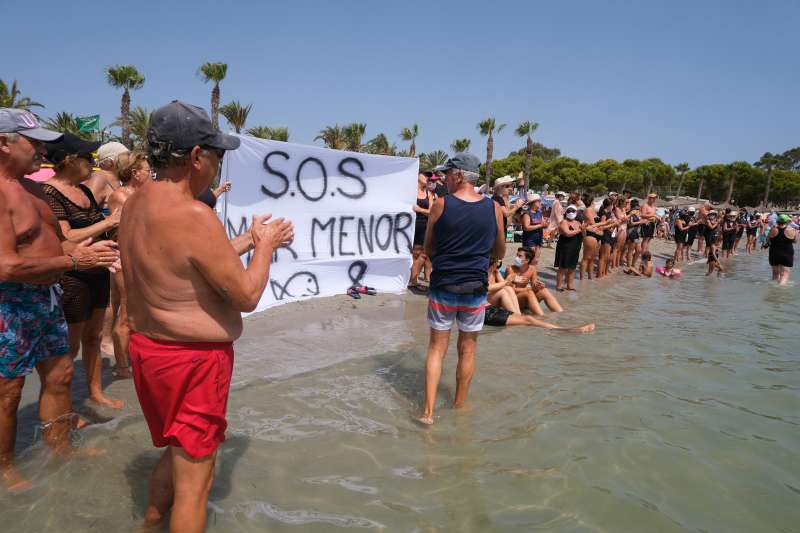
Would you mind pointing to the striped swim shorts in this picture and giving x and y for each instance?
(467, 310)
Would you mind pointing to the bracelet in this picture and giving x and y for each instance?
(74, 262)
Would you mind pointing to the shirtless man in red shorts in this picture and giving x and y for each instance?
(187, 289)
(33, 255)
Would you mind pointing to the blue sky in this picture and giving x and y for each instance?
(696, 81)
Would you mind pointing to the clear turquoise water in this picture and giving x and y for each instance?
(682, 412)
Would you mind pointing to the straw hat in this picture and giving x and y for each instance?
(503, 181)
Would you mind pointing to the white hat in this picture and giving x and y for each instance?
(534, 197)
(613, 193)
(111, 150)
(571, 207)
(692, 209)
(503, 181)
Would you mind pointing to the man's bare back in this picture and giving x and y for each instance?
(168, 297)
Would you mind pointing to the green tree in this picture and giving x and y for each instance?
(214, 72)
(236, 114)
(277, 133)
(681, 169)
(11, 97)
(353, 134)
(734, 171)
(487, 129)
(380, 145)
(768, 161)
(410, 134)
(65, 122)
(139, 124)
(127, 78)
(333, 137)
(526, 129)
(460, 145)
(431, 160)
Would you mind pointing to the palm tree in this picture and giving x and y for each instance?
(410, 134)
(236, 114)
(140, 123)
(681, 169)
(487, 127)
(353, 134)
(127, 78)
(12, 98)
(380, 145)
(432, 160)
(526, 129)
(277, 133)
(460, 145)
(333, 137)
(65, 122)
(213, 72)
(768, 161)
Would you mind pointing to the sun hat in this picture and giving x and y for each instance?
(25, 123)
(505, 180)
(69, 144)
(111, 150)
(534, 198)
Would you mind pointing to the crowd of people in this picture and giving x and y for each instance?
(73, 247)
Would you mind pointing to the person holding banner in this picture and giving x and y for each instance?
(464, 229)
(187, 289)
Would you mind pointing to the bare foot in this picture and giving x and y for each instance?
(81, 422)
(586, 329)
(424, 420)
(14, 480)
(105, 401)
(121, 372)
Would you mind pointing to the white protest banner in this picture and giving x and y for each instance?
(351, 212)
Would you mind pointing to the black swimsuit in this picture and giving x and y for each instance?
(86, 290)
(422, 222)
(781, 250)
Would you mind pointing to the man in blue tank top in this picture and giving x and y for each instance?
(464, 230)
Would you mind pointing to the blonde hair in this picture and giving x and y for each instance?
(128, 163)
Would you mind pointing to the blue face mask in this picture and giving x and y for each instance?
(517, 262)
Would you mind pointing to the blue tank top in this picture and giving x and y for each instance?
(464, 237)
(535, 237)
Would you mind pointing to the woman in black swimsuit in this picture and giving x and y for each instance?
(592, 235)
(781, 241)
(609, 237)
(86, 293)
(728, 234)
(422, 208)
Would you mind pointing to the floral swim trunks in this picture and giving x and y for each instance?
(32, 327)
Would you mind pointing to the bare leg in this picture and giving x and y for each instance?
(10, 395)
(416, 265)
(437, 348)
(428, 268)
(560, 279)
(570, 277)
(162, 491)
(784, 275)
(121, 331)
(93, 362)
(55, 403)
(191, 479)
(776, 273)
(527, 299)
(550, 300)
(467, 341)
(508, 300)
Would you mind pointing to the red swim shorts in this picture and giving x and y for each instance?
(183, 390)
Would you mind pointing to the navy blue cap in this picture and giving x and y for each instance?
(463, 161)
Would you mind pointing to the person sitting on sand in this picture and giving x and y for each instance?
(500, 317)
(529, 289)
(501, 290)
(713, 256)
(669, 270)
(645, 267)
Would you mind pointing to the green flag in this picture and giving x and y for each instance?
(89, 124)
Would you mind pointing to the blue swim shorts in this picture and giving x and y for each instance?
(467, 310)
(32, 327)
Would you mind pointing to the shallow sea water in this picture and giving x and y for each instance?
(682, 412)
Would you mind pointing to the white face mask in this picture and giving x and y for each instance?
(571, 215)
(517, 262)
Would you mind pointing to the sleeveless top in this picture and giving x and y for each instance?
(533, 238)
(780, 243)
(464, 237)
(78, 217)
(423, 203)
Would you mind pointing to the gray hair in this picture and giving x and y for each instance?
(470, 177)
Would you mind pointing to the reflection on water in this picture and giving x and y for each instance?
(681, 412)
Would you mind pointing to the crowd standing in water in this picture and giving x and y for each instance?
(177, 295)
